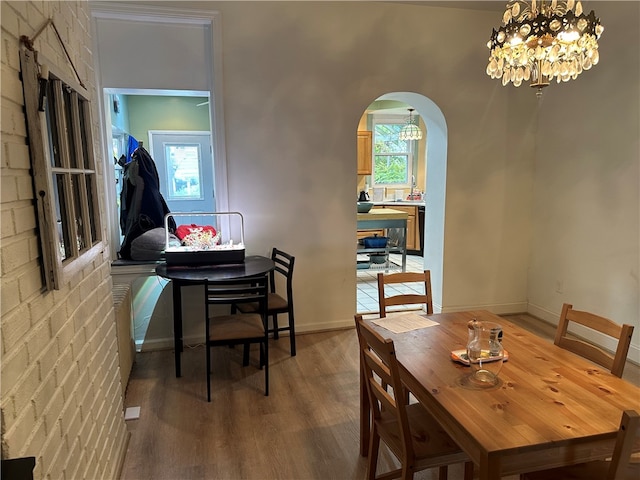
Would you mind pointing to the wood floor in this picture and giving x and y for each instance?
(306, 429)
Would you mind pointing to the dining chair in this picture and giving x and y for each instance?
(276, 303)
(410, 432)
(385, 301)
(618, 467)
(621, 333)
(237, 328)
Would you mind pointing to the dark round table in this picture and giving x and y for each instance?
(180, 276)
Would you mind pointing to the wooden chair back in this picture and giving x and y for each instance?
(237, 328)
(627, 438)
(381, 369)
(407, 298)
(621, 333)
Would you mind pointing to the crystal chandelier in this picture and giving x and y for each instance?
(410, 131)
(542, 40)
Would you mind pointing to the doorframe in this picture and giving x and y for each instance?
(210, 21)
(436, 187)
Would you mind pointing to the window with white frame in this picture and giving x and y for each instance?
(392, 157)
(58, 115)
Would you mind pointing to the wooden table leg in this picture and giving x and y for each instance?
(490, 468)
(177, 324)
(365, 415)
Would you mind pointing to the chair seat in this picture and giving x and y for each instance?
(584, 471)
(275, 303)
(236, 327)
(430, 441)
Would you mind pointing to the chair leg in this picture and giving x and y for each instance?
(374, 446)
(443, 473)
(266, 367)
(468, 471)
(276, 331)
(245, 354)
(292, 334)
(208, 373)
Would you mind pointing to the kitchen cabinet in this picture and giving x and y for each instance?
(413, 234)
(364, 153)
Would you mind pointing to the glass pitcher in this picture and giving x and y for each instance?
(485, 351)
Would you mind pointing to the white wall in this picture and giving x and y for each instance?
(586, 208)
(291, 141)
(297, 78)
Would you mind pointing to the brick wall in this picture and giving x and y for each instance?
(61, 399)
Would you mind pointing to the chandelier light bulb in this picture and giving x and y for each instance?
(542, 40)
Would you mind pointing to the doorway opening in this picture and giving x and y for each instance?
(425, 175)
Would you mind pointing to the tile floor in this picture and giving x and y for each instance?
(367, 285)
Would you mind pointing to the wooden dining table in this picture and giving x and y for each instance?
(549, 408)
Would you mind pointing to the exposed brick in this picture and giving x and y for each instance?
(21, 430)
(35, 442)
(40, 308)
(64, 363)
(70, 422)
(9, 13)
(14, 255)
(43, 395)
(34, 248)
(52, 414)
(58, 319)
(9, 296)
(24, 392)
(38, 340)
(11, 87)
(25, 189)
(47, 359)
(17, 153)
(72, 468)
(7, 229)
(9, 188)
(30, 282)
(65, 336)
(13, 366)
(14, 324)
(52, 448)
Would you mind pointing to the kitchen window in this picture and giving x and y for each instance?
(392, 157)
(62, 159)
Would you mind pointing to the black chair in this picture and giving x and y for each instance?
(277, 304)
(237, 328)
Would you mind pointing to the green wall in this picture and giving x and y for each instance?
(166, 113)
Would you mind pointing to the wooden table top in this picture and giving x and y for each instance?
(548, 398)
(382, 214)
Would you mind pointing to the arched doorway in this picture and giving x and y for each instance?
(435, 184)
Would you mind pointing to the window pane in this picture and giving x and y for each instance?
(85, 124)
(69, 115)
(93, 208)
(391, 169)
(64, 246)
(184, 175)
(77, 184)
(52, 124)
(386, 138)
